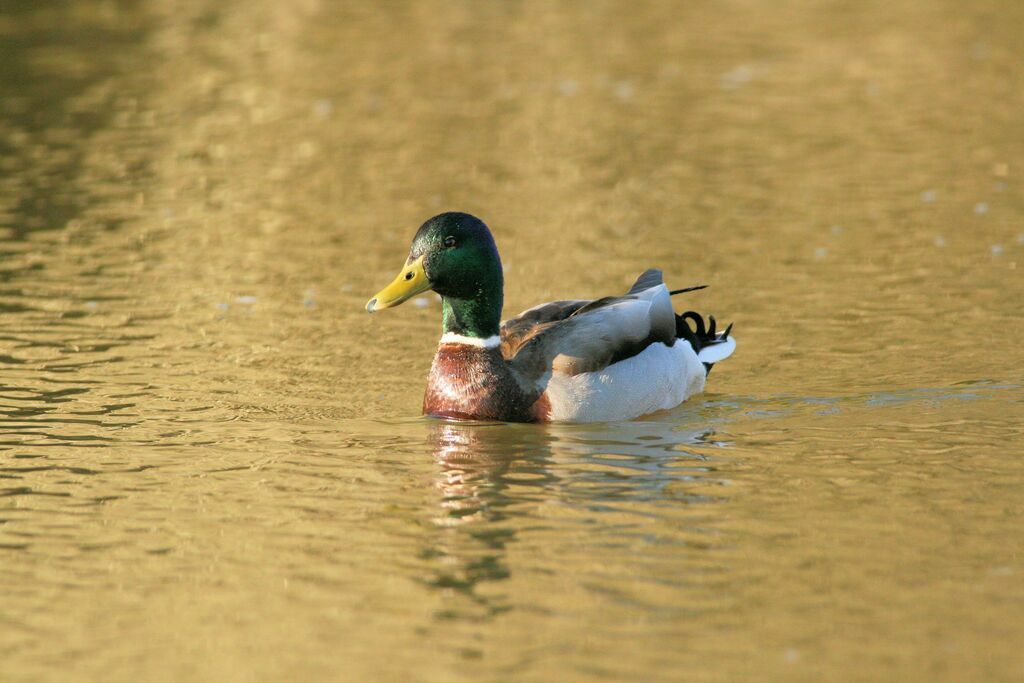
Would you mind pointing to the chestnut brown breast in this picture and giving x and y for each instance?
(470, 382)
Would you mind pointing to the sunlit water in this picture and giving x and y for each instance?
(212, 466)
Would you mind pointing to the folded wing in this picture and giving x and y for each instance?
(573, 337)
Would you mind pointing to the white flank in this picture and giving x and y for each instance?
(488, 343)
(717, 352)
(658, 378)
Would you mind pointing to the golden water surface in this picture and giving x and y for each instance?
(211, 461)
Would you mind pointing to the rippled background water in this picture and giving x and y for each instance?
(211, 464)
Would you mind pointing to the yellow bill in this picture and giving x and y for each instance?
(410, 281)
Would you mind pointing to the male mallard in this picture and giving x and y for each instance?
(613, 358)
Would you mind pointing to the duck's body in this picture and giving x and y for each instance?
(613, 358)
(658, 378)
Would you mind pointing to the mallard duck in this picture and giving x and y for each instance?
(614, 358)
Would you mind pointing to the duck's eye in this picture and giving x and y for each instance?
(449, 242)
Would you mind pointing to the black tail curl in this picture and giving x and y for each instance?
(701, 336)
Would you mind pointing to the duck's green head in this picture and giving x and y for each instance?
(453, 254)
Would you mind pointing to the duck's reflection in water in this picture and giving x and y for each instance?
(484, 470)
(493, 479)
(476, 461)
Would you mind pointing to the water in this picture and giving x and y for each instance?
(211, 464)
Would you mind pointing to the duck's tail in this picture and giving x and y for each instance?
(711, 346)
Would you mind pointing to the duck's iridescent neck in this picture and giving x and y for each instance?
(479, 317)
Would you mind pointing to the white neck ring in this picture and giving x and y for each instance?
(489, 343)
